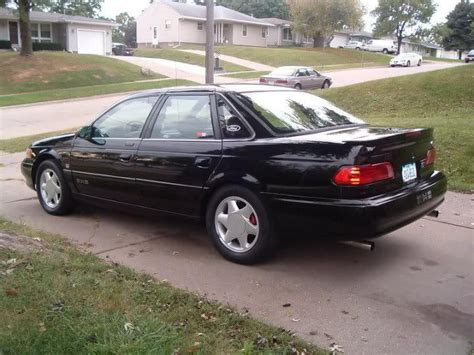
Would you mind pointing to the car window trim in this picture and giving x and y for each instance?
(164, 97)
(240, 117)
(157, 95)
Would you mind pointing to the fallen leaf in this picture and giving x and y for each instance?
(42, 327)
(129, 327)
(335, 348)
(313, 332)
(344, 312)
(175, 253)
(295, 319)
(287, 305)
(11, 291)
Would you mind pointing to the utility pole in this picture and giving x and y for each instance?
(210, 42)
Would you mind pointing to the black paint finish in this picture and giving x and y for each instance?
(292, 174)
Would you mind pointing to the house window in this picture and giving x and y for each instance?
(264, 32)
(41, 32)
(199, 26)
(287, 35)
(155, 32)
(167, 24)
(244, 30)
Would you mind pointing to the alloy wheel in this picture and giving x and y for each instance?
(237, 224)
(50, 188)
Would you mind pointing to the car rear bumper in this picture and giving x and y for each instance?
(348, 219)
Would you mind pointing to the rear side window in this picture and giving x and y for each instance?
(184, 117)
(231, 124)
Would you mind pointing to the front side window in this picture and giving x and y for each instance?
(288, 112)
(184, 117)
(41, 32)
(264, 32)
(231, 125)
(155, 32)
(199, 26)
(244, 30)
(167, 24)
(287, 35)
(126, 120)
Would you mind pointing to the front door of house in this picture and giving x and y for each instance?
(13, 28)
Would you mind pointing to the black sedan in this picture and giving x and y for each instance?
(247, 159)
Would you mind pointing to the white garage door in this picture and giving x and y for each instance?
(90, 42)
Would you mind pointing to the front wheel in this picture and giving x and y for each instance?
(298, 87)
(419, 63)
(52, 190)
(385, 51)
(239, 225)
(408, 64)
(325, 85)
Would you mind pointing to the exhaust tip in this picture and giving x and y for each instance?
(361, 244)
(434, 213)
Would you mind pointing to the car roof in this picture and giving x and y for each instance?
(237, 88)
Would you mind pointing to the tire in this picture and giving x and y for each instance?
(56, 188)
(357, 48)
(298, 87)
(408, 64)
(325, 85)
(419, 63)
(250, 216)
(385, 51)
(393, 66)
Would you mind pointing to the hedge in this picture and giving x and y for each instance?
(5, 44)
(47, 46)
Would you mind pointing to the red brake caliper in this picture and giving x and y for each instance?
(253, 219)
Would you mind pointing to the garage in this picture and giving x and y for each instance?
(90, 42)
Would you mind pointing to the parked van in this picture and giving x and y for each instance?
(381, 45)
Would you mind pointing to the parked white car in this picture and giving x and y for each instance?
(381, 45)
(406, 60)
(358, 45)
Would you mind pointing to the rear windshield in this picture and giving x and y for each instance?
(290, 112)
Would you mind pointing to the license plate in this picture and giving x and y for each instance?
(409, 172)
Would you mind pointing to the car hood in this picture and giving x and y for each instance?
(51, 141)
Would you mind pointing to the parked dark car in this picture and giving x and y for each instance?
(247, 159)
(122, 49)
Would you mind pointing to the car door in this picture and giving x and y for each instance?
(316, 79)
(103, 155)
(303, 78)
(179, 152)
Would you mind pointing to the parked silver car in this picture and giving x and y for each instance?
(297, 77)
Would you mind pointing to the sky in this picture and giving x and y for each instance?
(111, 8)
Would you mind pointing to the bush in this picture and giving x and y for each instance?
(5, 44)
(47, 46)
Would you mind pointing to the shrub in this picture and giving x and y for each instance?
(47, 46)
(5, 44)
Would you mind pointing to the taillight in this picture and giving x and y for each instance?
(262, 80)
(430, 157)
(29, 153)
(280, 81)
(363, 174)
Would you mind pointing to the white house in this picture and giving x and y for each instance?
(76, 34)
(166, 23)
(282, 34)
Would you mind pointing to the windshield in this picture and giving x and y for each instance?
(288, 112)
(283, 72)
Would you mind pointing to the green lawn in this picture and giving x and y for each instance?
(247, 75)
(320, 58)
(441, 99)
(59, 300)
(58, 70)
(184, 57)
(59, 94)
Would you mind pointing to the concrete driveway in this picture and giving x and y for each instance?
(413, 295)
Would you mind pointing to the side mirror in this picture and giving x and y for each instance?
(87, 133)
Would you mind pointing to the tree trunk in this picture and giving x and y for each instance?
(399, 44)
(24, 7)
(318, 42)
(459, 54)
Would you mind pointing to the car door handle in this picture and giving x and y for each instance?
(125, 157)
(203, 162)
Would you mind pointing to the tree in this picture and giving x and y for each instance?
(88, 8)
(319, 19)
(24, 8)
(396, 17)
(460, 24)
(438, 33)
(258, 8)
(127, 30)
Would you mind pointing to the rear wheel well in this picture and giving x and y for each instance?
(37, 163)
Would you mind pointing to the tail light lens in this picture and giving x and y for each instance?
(430, 157)
(363, 174)
(262, 80)
(282, 81)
